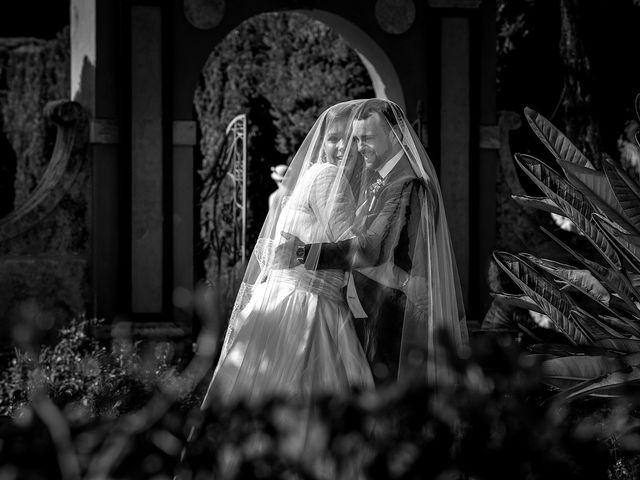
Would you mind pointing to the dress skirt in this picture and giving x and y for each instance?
(294, 338)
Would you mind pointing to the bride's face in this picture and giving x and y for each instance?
(335, 142)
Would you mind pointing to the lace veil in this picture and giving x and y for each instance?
(329, 166)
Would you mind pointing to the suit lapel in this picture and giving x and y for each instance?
(400, 173)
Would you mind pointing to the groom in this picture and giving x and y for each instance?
(379, 259)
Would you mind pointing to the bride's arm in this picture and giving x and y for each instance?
(373, 246)
(332, 202)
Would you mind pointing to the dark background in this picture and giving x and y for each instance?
(33, 18)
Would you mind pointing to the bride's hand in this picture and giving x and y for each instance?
(285, 253)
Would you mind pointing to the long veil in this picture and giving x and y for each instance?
(428, 280)
(421, 352)
(309, 154)
(319, 174)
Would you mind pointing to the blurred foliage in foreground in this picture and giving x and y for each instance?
(80, 370)
(494, 424)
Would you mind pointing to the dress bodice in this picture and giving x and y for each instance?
(320, 209)
(306, 213)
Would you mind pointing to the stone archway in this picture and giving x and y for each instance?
(383, 75)
(279, 69)
(440, 66)
(385, 79)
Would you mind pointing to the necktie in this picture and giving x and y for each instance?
(372, 178)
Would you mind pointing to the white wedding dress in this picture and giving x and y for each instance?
(295, 335)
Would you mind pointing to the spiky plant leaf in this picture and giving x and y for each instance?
(596, 187)
(560, 350)
(617, 283)
(621, 306)
(539, 203)
(520, 301)
(626, 190)
(539, 357)
(558, 144)
(567, 372)
(574, 204)
(622, 324)
(595, 181)
(591, 375)
(623, 345)
(612, 384)
(609, 328)
(593, 326)
(629, 250)
(579, 278)
(543, 291)
(614, 280)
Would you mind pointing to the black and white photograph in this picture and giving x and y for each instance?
(319, 240)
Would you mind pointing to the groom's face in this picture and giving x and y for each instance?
(374, 140)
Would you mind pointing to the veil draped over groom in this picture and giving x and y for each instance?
(358, 237)
(403, 287)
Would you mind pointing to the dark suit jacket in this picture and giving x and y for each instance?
(390, 231)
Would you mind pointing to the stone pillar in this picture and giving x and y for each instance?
(184, 141)
(456, 133)
(147, 239)
(487, 164)
(94, 73)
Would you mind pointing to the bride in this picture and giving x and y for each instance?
(363, 216)
(290, 331)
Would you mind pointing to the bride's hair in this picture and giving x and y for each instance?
(337, 113)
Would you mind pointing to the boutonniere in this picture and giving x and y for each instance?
(375, 187)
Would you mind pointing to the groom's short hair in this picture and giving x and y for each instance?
(382, 107)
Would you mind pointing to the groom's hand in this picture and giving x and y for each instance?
(285, 253)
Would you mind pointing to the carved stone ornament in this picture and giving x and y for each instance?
(64, 167)
(204, 14)
(395, 16)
